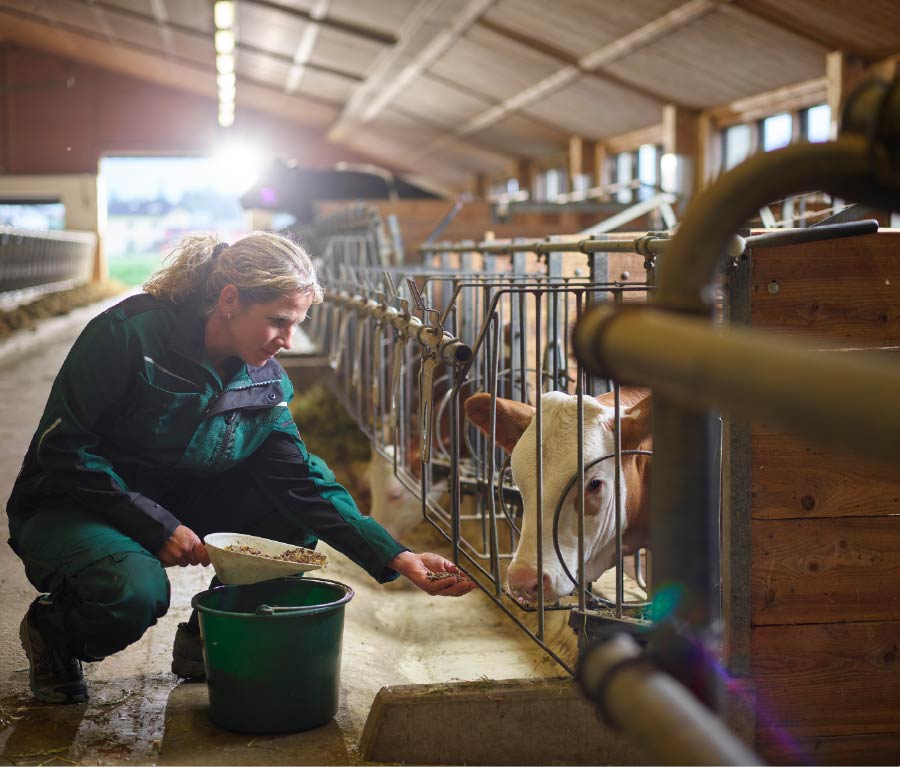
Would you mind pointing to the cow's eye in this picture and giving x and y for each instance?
(595, 484)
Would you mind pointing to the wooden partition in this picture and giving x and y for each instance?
(824, 571)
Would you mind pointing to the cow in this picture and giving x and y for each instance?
(515, 432)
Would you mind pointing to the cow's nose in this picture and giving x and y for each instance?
(523, 579)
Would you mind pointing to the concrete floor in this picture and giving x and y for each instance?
(139, 713)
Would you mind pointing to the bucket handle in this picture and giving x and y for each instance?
(268, 610)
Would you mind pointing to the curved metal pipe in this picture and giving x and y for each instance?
(850, 167)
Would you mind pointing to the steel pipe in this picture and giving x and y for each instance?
(655, 710)
(749, 374)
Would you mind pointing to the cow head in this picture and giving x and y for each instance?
(516, 433)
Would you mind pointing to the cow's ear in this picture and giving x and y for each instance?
(512, 418)
(636, 425)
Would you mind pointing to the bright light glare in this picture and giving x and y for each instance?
(223, 13)
(226, 82)
(225, 64)
(236, 166)
(226, 119)
(224, 41)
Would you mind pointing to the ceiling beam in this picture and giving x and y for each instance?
(347, 27)
(383, 85)
(565, 57)
(207, 36)
(305, 46)
(568, 74)
(777, 18)
(148, 64)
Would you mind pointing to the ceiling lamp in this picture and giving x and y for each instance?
(224, 16)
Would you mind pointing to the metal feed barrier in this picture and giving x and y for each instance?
(33, 263)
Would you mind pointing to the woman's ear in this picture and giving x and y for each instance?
(229, 301)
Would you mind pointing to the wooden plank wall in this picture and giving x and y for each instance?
(825, 529)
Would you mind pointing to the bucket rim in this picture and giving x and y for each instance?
(284, 612)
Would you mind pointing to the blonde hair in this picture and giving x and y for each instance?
(263, 266)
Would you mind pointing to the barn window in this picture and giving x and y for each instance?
(648, 170)
(816, 122)
(624, 174)
(776, 131)
(736, 145)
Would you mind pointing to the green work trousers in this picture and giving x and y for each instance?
(106, 589)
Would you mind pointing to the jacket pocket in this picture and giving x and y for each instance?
(159, 412)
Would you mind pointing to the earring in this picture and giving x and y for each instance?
(228, 316)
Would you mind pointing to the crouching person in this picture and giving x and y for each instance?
(168, 421)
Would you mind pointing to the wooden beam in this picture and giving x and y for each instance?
(569, 73)
(150, 65)
(526, 172)
(581, 157)
(566, 57)
(347, 27)
(206, 35)
(777, 18)
(631, 141)
(843, 73)
(786, 99)
(600, 172)
(384, 83)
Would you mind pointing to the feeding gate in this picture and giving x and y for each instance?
(411, 345)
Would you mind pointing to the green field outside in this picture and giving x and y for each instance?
(134, 268)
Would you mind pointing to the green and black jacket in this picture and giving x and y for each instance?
(137, 406)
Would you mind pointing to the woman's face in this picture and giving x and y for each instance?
(259, 331)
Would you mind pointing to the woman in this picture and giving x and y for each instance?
(168, 421)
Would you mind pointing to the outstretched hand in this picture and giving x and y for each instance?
(183, 548)
(432, 573)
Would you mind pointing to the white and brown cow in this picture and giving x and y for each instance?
(516, 434)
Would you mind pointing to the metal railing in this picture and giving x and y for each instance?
(32, 262)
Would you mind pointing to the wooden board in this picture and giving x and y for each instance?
(828, 679)
(842, 291)
(882, 748)
(796, 478)
(813, 571)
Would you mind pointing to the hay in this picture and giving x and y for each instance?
(26, 316)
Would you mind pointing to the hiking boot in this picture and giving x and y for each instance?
(54, 675)
(187, 653)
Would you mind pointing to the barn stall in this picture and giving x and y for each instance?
(803, 613)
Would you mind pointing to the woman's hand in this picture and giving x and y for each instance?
(426, 572)
(183, 548)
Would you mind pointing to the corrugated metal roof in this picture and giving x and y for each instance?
(871, 27)
(440, 102)
(498, 66)
(721, 57)
(579, 26)
(594, 108)
(462, 85)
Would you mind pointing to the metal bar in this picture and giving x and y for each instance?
(539, 463)
(748, 374)
(672, 723)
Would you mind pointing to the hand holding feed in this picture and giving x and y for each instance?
(432, 573)
(183, 548)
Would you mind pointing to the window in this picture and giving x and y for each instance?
(33, 215)
(624, 174)
(776, 131)
(817, 123)
(736, 145)
(648, 170)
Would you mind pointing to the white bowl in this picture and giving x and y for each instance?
(235, 567)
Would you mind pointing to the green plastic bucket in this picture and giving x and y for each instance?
(272, 652)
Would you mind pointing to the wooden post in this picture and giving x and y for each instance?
(843, 72)
(681, 137)
(525, 173)
(600, 171)
(482, 188)
(580, 159)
